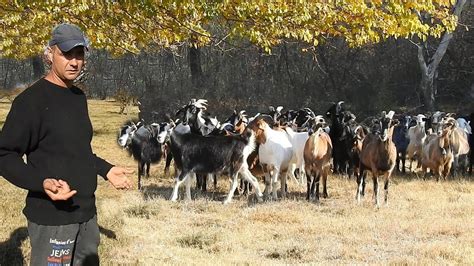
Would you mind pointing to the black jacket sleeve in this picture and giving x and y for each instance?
(102, 166)
(18, 137)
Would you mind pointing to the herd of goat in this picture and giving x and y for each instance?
(300, 145)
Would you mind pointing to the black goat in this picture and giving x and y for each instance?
(144, 143)
(339, 118)
(196, 154)
(352, 137)
(401, 140)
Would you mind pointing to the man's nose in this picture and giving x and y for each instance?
(73, 61)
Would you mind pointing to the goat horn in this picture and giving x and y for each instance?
(390, 114)
(450, 114)
(202, 101)
(201, 104)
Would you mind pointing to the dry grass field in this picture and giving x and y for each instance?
(426, 222)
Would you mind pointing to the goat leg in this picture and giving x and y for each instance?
(179, 180)
(147, 169)
(268, 186)
(309, 180)
(360, 183)
(252, 180)
(316, 195)
(275, 183)
(140, 173)
(376, 188)
(188, 189)
(324, 179)
(232, 188)
(313, 186)
(284, 185)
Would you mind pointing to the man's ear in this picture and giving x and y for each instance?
(49, 54)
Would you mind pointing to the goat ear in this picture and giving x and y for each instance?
(271, 108)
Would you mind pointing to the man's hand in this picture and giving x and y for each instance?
(57, 189)
(117, 177)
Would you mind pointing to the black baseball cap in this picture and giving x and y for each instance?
(67, 36)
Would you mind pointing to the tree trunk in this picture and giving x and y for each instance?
(429, 69)
(195, 66)
(427, 88)
(38, 67)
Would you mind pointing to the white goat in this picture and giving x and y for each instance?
(298, 140)
(275, 153)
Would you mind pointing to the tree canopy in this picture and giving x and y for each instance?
(133, 26)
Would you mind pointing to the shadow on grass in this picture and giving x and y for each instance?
(419, 176)
(156, 191)
(10, 250)
(108, 233)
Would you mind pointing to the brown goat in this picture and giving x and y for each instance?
(317, 155)
(437, 154)
(378, 155)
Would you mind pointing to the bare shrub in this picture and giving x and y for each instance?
(125, 99)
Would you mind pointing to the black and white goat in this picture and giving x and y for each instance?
(144, 143)
(298, 120)
(201, 123)
(235, 124)
(196, 154)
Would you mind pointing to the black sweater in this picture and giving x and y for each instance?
(51, 126)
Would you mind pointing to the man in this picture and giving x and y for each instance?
(49, 123)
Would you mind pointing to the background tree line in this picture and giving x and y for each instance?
(240, 74)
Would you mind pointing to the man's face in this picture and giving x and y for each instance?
(67, 65)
